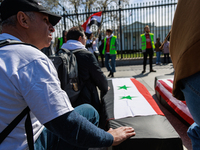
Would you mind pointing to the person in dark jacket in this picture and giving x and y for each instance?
(61, 40)
(48, 50)
(158, 51)
(100, 51)
(89, 71)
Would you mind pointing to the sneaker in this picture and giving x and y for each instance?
(109, 74)
(152, 70)
(143, 71)
(112, 75)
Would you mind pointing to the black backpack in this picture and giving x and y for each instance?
(67, 69)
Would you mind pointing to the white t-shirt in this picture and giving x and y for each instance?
(28, 77)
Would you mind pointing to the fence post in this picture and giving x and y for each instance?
(120, 25)
(64, 21)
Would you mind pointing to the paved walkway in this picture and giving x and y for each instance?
(147, 79)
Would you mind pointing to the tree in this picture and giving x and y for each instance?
(89, 6)
(50, 4)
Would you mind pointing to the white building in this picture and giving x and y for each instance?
(131, 39)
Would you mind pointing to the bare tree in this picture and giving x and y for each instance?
(90, 6)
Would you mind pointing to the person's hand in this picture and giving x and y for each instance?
(108, 88)
(121, 134)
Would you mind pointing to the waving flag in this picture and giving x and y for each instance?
(93, 19)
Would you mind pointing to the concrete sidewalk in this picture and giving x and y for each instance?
(147, 79)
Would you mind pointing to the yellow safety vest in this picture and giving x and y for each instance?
(113, 50)
(144, 43)
(61, 42)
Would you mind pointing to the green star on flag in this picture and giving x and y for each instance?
(128, 97)
(123, 87)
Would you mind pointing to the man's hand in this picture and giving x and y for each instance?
(121, 134)
(108, 88)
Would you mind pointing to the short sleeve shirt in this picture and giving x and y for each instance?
(28, 78)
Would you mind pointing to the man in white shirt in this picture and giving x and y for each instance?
(28, 78)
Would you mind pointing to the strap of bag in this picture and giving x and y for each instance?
(15, 122)
(29, 132)
(12, 42)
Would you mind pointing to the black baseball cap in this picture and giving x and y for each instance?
(9, 8)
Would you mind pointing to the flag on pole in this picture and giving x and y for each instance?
(93, 19)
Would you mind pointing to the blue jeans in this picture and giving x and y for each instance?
(113, 62)
(191, 91)
(158, 57)
(48, 141)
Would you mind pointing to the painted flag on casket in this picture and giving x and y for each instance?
(129, 103)
(93, 19)
(164, 88)
(131, 98)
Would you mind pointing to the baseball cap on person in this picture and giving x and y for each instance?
(9, 8)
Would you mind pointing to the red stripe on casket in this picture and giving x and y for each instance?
(172, 105)
(168, 87)
(170, 80)
(143, 90)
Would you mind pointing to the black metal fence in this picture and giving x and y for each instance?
(127, 22)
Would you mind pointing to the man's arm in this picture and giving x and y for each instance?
(76, 130)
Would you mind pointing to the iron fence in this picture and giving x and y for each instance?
(127, 22)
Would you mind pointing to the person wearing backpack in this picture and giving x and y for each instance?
(29, 80)
(89, 72)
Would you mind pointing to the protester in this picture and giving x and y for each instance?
(62, 40)
(147, 47)
(110, 51)
(166, 51)
(158, 51)
(185, 54)
(89, 72)
(91, 45)
(100, 51)
(28, 78)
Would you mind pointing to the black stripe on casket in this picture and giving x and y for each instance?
(108, 99)
(152, 133)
